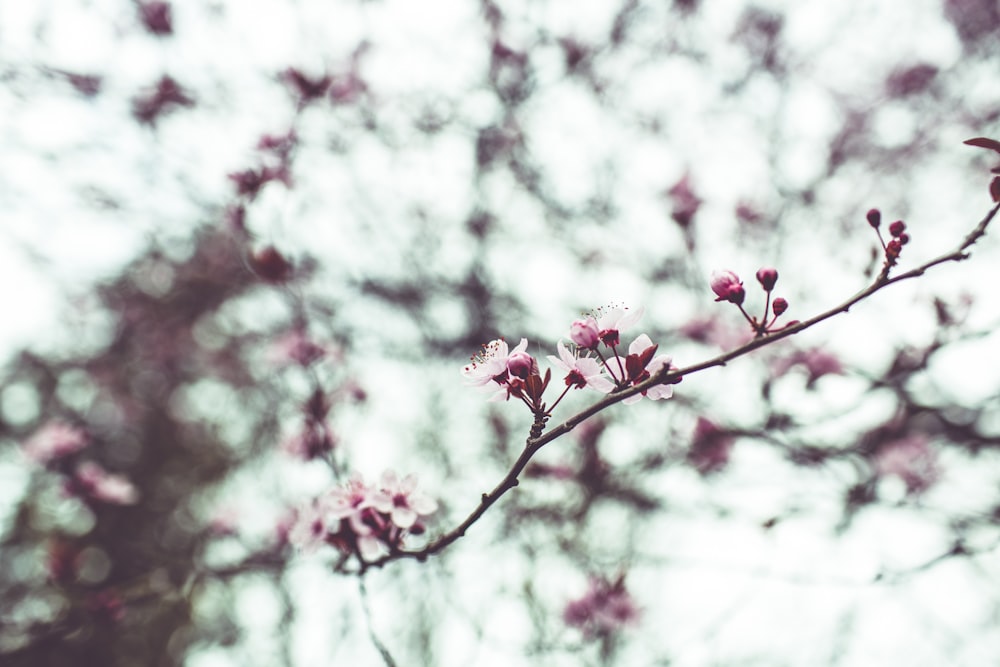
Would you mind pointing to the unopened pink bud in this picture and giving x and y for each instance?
(728, 287)
(892, 250)
(874, 217)
(585, 333)
(897, 228)
(520, 364)
(271, 265)
(779, 306)
(767, 277)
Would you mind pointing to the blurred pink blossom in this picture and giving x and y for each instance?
(684, 201)
(605, 608)
(912, 460)
(352, 504)
(308, 530)
(53, 441)
(312, 442)
(295, 347)
(156, 16)
(400, 499)
(93, 481)
(816, 363)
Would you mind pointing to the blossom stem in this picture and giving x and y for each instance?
(548, 413)
(621, 369)
(608, 368)
(752, 321)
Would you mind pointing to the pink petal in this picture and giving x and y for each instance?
(408, 485)
(631, 318)
(639, 344)
(601, 384)
(423, 505)
(389, 481)
(369, 547)
(404, 517)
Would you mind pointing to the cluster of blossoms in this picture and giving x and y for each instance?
(605, 608)
(367, 521)
(593, 360)
(55, 443)
(728, 287)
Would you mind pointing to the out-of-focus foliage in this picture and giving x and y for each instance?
(281, 230)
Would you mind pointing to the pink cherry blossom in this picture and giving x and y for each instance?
(349, 501)
(313, 441)
(93, 481)
(308, 531)
(489, 368)
(640, 364)
(611, 322)
(400, 500)
(727, 287)
(352, 505)
(581, 371)
(53, 441)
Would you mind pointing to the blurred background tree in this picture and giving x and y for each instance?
(251, 247)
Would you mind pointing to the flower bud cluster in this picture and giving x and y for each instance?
(894, 247)
(363, 520)
(728, 287)
(591, 360)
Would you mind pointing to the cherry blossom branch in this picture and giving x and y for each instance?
(668, 375)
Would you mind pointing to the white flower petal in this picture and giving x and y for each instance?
(639, 344)
(369, 547)
(630, 318)
(404, 517)
(601, 384)
(423, 505)
(408, 485)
